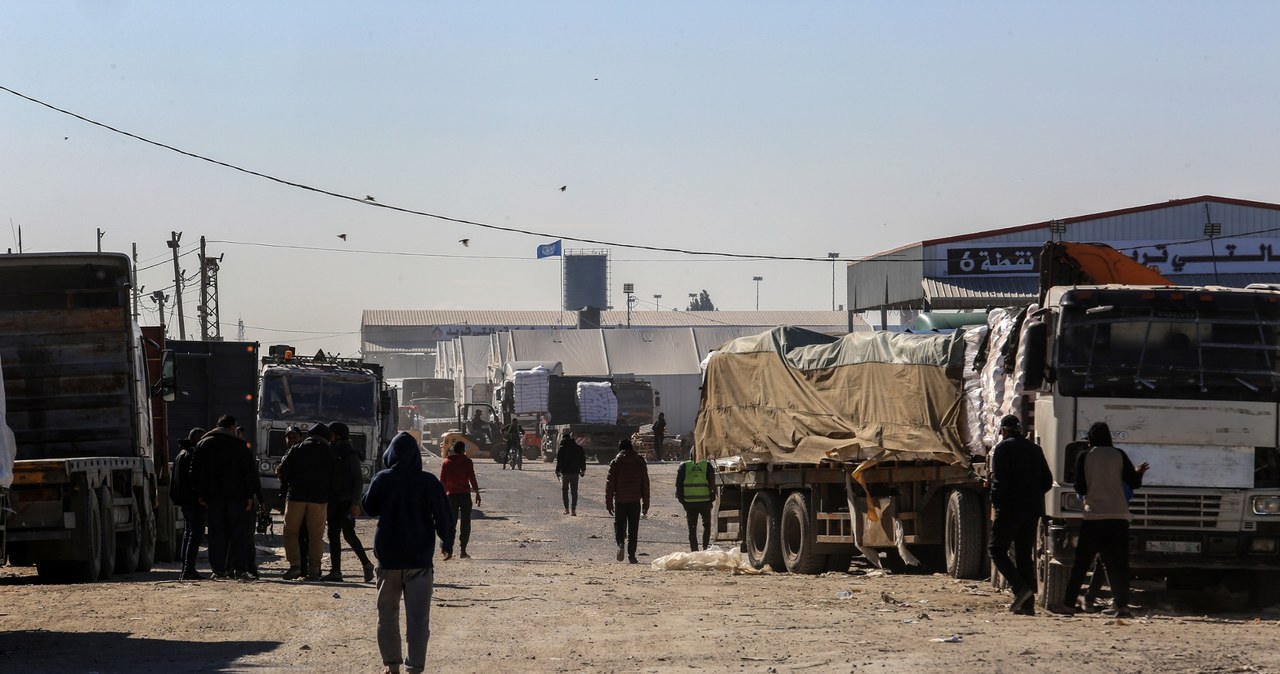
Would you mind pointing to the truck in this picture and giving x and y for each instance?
(430, 406)
(296, 390)
(873, 443)
(217, 378)
(86, 495)
(599, 439)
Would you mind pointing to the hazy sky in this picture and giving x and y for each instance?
(792, 129)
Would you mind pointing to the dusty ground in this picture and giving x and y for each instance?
(543, 593)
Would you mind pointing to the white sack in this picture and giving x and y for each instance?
(712, 559)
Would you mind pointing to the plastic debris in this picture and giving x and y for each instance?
(713, 558)
(953, 639)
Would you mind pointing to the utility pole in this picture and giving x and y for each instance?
(208, 309)
(100, 235)
(240, 330)
(159, 298)
(177, 283)
(137, 292)
(656, 302)
(833, 257)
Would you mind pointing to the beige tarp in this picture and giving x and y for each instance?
(794, 396)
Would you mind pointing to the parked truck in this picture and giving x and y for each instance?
(86, 490)
(300, 391)
(598, 437)
(217, 378)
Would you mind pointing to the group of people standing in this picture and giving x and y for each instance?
(1104, 479)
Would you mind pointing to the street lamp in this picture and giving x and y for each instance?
(757, 279)
(629, 290)
(833, 257)
(656, 305)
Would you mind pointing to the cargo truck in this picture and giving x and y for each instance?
(86, 492)
(303, 390)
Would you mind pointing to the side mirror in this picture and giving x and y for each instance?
(167, 387)
(384, 403)
(657, 399)
(1035, 338)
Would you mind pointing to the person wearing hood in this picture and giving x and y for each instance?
(343, 508)
(412, 511)
(309, 470)
(571, 464)
(182, 491)
(626, 497)
(226, 479)
(458, 475)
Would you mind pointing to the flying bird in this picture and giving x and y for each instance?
(369, 198)
(465, 242)
(564, 187)
(342, 236)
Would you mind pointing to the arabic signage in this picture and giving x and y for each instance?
(1230, 255)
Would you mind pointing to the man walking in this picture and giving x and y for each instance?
(1020, 477)
(344, 507)
(182, 491)
(659, 435)
(458, 475)
(571, 464)
(226, 480)
(626, 497)
(309, 470)
(696, 491)
(411, 509)
(513, 434)
(1102, 473)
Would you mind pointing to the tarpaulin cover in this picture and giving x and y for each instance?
(793, 396)
(8, 452)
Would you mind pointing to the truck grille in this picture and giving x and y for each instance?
(1175, 511)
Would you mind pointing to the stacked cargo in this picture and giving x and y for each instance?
(596, 403)
(531, 390)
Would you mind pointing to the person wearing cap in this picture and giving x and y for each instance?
(458, 475)
(626, 497)
(344, 506)
(1020, 477)
(182, 491)
(308, 470)
(225, 479)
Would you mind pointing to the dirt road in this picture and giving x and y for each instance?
(543, 593)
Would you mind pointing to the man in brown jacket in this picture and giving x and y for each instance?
(626, 496)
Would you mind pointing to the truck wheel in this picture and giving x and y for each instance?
(1052, 577)
(964, 543)
(129, 543)
(147, 520)
(763, 539)
(84, 570)
(107, 518)
(797, 537)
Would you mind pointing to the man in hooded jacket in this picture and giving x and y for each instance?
(343, 507)
(571, 464)
(226, 479)
(411, 508)
(626, 497)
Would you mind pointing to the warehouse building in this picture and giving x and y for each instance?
(1204, 240)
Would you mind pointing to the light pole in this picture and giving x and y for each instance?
(757, 279)
(629, 290)
(656, 305)
(833, 257)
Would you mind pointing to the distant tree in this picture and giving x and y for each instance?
(702, 302)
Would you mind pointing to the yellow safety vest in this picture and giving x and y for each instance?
(697, 486)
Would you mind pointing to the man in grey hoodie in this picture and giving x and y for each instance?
(412, 510)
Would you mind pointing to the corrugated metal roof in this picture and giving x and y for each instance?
(826, 321)
(980, 292)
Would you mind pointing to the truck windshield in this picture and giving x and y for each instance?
(318, 395)
(435, 408)
(1200, 345)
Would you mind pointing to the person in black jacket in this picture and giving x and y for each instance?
(1020, 477)
(226, 480)
(309, 471)
(182, 491)
(571, 464)
(344, 505)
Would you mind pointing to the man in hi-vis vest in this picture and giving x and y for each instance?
(696, 490)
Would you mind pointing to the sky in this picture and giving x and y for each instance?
(791, 129)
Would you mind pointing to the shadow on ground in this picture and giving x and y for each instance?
(41, 651)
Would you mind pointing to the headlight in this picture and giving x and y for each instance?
(365, 471)
(1266, 505)
(1071, 502)
(264, 466)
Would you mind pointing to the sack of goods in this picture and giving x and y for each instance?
(596, 403)
(531, 390)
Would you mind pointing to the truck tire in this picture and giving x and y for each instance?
(797, 537)
(84, 570)
(146, 520)
(108, 528)
(129, 543)
(964, 536)
(1052, 577)
(763, 535)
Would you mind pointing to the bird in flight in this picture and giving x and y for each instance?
(564, 187)
(465, 242)
(369, 198)
(342, 236)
